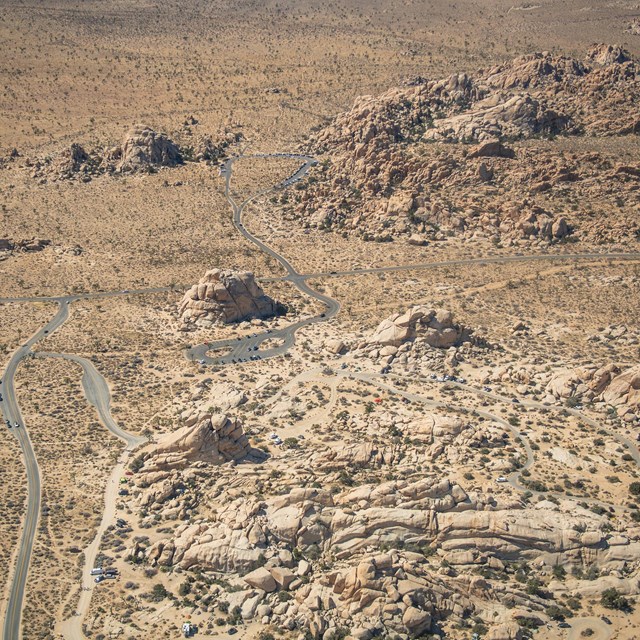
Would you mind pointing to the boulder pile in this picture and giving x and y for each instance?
(608, 384)
(144, 149)
(212, 439)
(339, 576)
(421, 337)
(434, 326)
(225, 296)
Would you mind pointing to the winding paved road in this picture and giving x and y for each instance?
(11, 411)
(97, 393)
(239, 350)
(243, 349)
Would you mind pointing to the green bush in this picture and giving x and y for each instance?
(558, 613)
(613, 599)
(559, 572)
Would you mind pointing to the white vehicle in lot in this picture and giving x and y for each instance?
(99, 579)
(277, 441)
(501, 479)
(97, 571)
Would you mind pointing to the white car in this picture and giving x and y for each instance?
(274, 436)
(501, 479)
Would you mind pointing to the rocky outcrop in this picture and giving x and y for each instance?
(605, 54)
(144, 149)
(608, 384)
(213, 148)
(221, 396)
(27, 245)
(503, 117)
(435, 326)
(381, 181)
(397, 591)
(213, 439)
(221, 297)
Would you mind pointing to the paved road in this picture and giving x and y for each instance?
(245, 348)
(97, 393)
(11, 411)
(419, 266)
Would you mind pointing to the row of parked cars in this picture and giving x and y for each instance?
(447, 378)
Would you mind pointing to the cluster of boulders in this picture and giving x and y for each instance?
(142, 150)
(419, 337)
(29, 245)
(210, 438)
(224, 296)
(609, 384)
(435, 326)
(364, 534)
(180, 459)
(326, 549)
(387, 175)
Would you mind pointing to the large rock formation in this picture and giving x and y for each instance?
(144, 149)
(400, 590)
(213, 439)
(608, 384)
(27, 245)
(434, 326)
(226, 296)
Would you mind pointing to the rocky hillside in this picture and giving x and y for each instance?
(509, 154)
(609, 384)
(350, 536)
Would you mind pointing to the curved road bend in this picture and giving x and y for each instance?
(97, 393)
(244, 348)
(11, 411)
(97, 390)
(241, 349)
